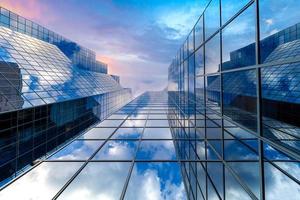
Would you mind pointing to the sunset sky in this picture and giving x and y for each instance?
(137, 38)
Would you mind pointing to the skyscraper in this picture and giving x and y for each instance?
(227, 127)
(235, 83)
(51, 89)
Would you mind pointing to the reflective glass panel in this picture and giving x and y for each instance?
(212, 18)
(98, 133)
(212, 55)
(77, 150)
(128, 133)
(156, 181)
(43, 182)
(238, 41)
(117, 150)
(156, 150)
(157, 133)
(100, 180)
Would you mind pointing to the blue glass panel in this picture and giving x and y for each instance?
(279, 29)
(98, 133)
(98, 181)
(238, 41)
(157, 133)
(229, 9)
(281, 104)
(156, 150)
(77, 150)
(199, 33)
(117, 150)
(212, 55)
(134, 123)
(128, 133)
(278, 185)
(239, 97)
(156, 181)
(212, 18)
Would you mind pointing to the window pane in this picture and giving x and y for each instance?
(212, 18)
(199, 33)
(156, 181)
(229, 9)
(213, 93)
(279, 29)
(239, 97)
(98, 181)
(77, 150)
(212, 55)
(238, 39)
(199, 64)
(117, 150)
(156, 150)
(281, 104)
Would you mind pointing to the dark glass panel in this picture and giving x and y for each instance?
(281, 104)
(239, 97)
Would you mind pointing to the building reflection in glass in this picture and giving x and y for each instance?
(246, 120)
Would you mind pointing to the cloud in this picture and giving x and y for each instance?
(269, 21)
(43, 182)
(31, 9)
(137, 39)
(156, 184)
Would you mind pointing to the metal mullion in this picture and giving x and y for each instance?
(194, 108)
(259, 104)
(221, 102)
(204, 98)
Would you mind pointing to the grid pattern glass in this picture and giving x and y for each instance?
(102, 164)
(35, 73)
(240, 112)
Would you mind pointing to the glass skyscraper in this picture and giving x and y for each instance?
(227, 126)
(235, 88)
(51, 89)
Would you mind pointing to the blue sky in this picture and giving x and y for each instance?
(136, 38)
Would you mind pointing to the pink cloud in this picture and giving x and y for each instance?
(31, 9)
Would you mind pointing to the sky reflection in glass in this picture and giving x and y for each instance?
(156, 181)
(156, 150)
(98, 181)
(117, 150)
(77, 150)
(43, 182)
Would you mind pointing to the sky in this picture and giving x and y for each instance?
(136, 38)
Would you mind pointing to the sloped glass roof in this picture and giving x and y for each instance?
(34, 72)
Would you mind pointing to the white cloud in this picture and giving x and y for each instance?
(269, 21)
(151, 186)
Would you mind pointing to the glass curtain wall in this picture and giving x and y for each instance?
(245, 133)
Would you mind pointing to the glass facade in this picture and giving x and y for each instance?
(45, 98)
(80, 56)
(235, 114)
(227, 127)
(133, 148)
